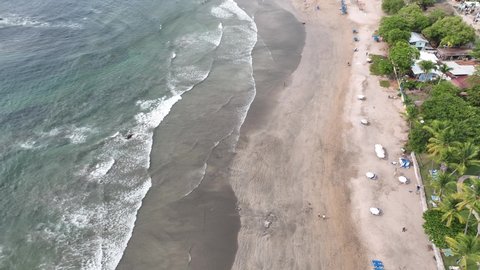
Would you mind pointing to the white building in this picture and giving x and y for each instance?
(460, 70)
(419, 73)
(418, 40)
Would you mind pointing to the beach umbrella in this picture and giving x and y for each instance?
(364, 121)
(403, 179)
(371, 175)
(375, 211)
(361, 97)
(379, 151)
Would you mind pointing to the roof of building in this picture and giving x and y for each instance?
(415, 37)
(425, 56)
(460, 82)
(448, 52)
(459, 70)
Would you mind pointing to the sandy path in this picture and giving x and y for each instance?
(382, 236)
(291, 166)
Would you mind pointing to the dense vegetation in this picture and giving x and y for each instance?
(445, 125)
(450, 31)
(436, 25)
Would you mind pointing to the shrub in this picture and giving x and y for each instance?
(417, 138)
(392, 6)
(410, 85)
(381, 66)
(436, 229)
(385, 84)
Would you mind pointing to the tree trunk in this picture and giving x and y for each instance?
(466, 223)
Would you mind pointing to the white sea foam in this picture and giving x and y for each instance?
(102, 168)
(25, 21)
(78, 135)
(29, 144)
(228, 9)
(195, 40)
(159, 109)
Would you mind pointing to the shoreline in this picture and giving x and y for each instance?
(199, 230)
(289, 166)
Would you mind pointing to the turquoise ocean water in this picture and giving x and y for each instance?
(83, 85)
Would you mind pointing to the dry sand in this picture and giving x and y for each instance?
(308, 154)
(382, 236)
(292, 167)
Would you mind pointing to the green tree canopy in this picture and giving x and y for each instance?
(416, 19)
(396, 35)
(436, 229)
(476, 50)
(450, 31)
(427, 66)
(439, 143)
(445, 183)
(464, 155)
(424, 3)
(417, 138)
(436, 14)
(403, 56)
(468, 248)
(474, 95)
(392, 6)
(444, 69)
(389, 23)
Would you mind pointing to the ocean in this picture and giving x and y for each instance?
(84, 85)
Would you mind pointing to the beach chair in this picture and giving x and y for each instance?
(377, 263)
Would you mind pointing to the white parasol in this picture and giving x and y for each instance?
(379, 151)
(361, 97)
(364, 121)
(371, 175)
(375, 211)
(403, 179)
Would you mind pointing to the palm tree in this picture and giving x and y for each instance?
(464, 155)
(427, 66)
(444, 184)
(448, 206)
(444, 69)
(469, 194)
(439, 144)
(468, 248)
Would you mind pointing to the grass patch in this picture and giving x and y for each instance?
(385, 84)
(450, 261)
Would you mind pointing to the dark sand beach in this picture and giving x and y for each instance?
(199, 230)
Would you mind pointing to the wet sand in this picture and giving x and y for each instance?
(199, 231)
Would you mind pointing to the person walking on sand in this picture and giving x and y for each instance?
(404, 229)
